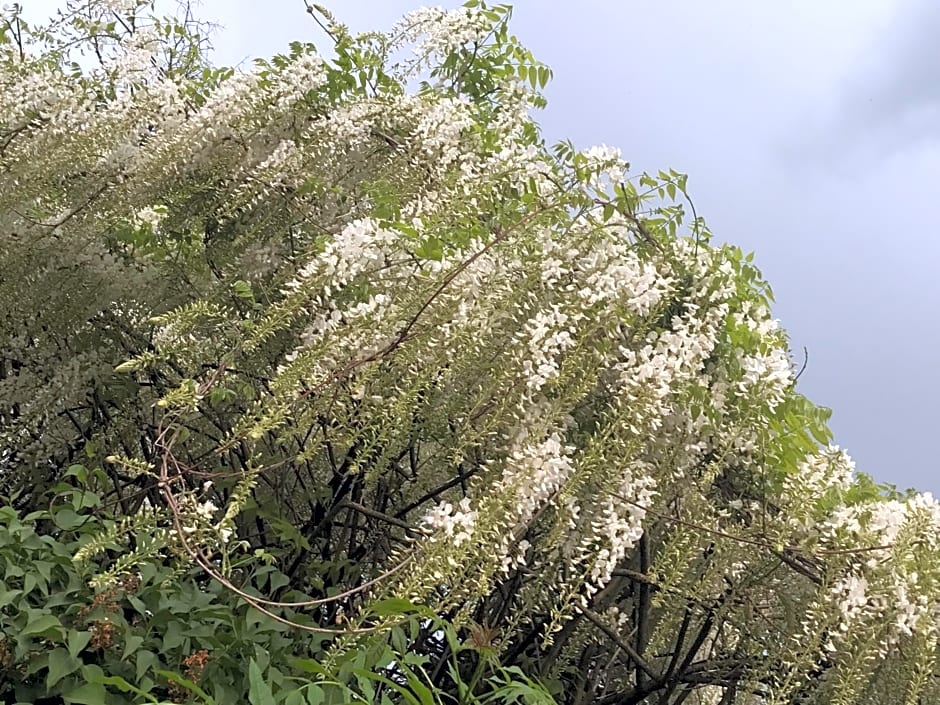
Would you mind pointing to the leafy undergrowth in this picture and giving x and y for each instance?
(168, 635)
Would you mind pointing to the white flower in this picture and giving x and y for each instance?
(151, 215)
(549, 335)
(770, 374)
(442, 31)
(454, 523)
(607, 162)
(207, 509)
(439, 129)
(121, 6)
(851, 597)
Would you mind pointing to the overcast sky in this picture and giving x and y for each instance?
(811, 134)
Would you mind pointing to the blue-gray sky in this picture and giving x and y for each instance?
(811, 134)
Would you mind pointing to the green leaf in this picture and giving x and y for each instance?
(243, 290)
(128, 366)
(400, 689)
(131, 643)
(394, 606)
(287, 531)
(43, 625)
(67, 519)
(82, 499)
(315, 695)
(124, 686)
(8, 596)
(88, 694)
(420, 689)
(174, 635)
(295, 697)
(79, 472)
(146, 660)
(432, 248)
(38, 661)
(544, 76)
(259, 692)
(77, 640)
(61, 663)
(309, 665)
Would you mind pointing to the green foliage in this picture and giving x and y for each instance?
(166, 636)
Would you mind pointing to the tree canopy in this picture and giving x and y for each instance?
(329, 380)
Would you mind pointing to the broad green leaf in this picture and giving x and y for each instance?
(314, 695)
(259, 692)
(61, 664)
(45, 625)
(132, 642)
(77, 640)
(67, 519)
(295, 697)
(145, 661)
(80, 472)
(87, 694)
(420, 689)
(124, 686)
(309, 665)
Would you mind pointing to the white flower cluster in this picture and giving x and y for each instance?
(652, 373)
(206, 509)
(274, 165)
(756, 317)
(615, 272)
(439, 128)
(42, 94)
(618, 526)
(850, 594)
(364, 339)
(139, 60)
(121, 6)
(534, 474)
(359, 245)
(605, 165)
(891, 587)
(768, 374)
(455, 523)
(879, 521)
(912, 609)
(204, 514)
(353, 123)
(306, 73)
(549, 334)
(519, 163)
(436, 31)
(815, 477)
(152, 216)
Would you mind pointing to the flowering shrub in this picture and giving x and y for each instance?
(353, 317)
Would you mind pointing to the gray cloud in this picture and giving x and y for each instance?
(890, 100)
